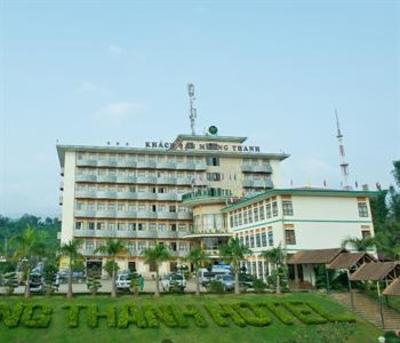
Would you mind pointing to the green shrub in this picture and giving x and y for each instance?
(131, 314)
(304, 313)
(219, 312)
(93, 283)
(259, 285)
(73, 314)
(33, 320)
(391, 337)
(279, 310)
(93, 316)
(252, 314)
(109, 265)
(156, 314)
(11, 318)
(216, 287)
(181, 315)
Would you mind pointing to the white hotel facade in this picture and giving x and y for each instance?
(198, 190)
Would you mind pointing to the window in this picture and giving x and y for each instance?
(121, 226)
(261, 210)
(258, 240)
(290, 237)
(287, 208)
(213, 161)
(251, 240)
(172, 227)
(161, 227)
(99, 226)
(172, 208)
(247, 241)
(250, 215)
(140, 226)
(132, 226)
(78, 225)
(365, 231)
(182, 227)
(362, 209)
(111, 226)
(268, 210)
(231, 221)
(264, 239)
(213, 176)
(91, 226)
(274, 208)
(152, 226)
(270, 237)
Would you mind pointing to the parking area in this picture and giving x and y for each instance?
(80, 287)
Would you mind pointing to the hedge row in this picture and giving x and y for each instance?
(253, 314)
(304, 313)
(31, 316)
(280, 311)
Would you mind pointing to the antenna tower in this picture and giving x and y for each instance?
(192, 110)
(344, 166)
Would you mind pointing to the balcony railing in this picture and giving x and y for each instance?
(154, 234)
(198, 165)
(264, 183)
(264, 168)
(207, 193)
(87, 213)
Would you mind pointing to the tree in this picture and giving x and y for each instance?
(359, 244)
(112, 248)
(27, 246)
(233, 253)
(156, 255)
(71, 250)
(277, 257)
(197, 257)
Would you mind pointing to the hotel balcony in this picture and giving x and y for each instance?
(152, 180)
(129, 234)
(95, 194)
(264, 168)
(141, 164)
(132, 214)
(264, 183)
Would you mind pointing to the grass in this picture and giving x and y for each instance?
(276, 332)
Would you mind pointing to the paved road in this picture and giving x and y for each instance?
(149, 286)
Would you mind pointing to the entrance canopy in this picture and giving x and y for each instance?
(318, 256)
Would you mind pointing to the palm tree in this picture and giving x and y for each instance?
(112, 248)
(27, 245)
(233, 253)
(276, 256)
(197, 257)
(71, 250)
(359, 244)
(156, 255)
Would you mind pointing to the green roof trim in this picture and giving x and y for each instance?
(299, 191)
(211, 138)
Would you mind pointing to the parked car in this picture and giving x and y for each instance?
(246, 280)
(206, 278)
(36, 283)
(124, 282)
(227, 280)
(173, 280)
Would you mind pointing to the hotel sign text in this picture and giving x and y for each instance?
(202, 146)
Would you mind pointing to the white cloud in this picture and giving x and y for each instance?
(90, 87)
(118, 111)
(115, 49)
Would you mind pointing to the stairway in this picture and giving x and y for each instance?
(369, 309)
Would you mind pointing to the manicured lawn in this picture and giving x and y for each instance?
(276, 331)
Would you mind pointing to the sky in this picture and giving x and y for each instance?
(88, 72)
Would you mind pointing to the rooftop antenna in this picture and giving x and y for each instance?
(192, 110)
(344, 166)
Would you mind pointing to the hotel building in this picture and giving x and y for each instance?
(297, 220)
(163, 193)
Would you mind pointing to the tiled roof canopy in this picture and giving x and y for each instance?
(393, 288)
(346, 260)
(319, 256)
(375, 271)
